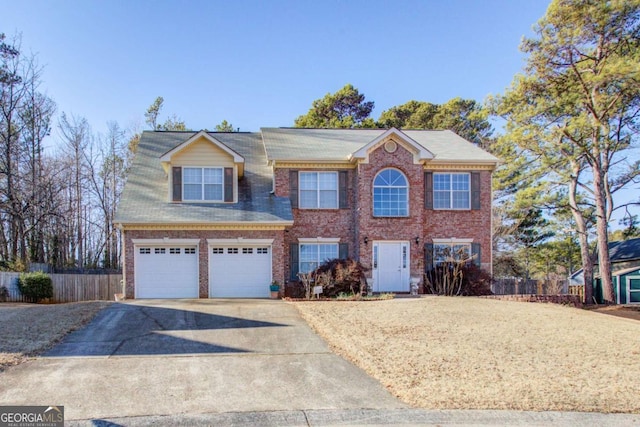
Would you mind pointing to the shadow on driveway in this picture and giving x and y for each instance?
(150, 329)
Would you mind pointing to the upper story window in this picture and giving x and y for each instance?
(451, 191)
(202, 184)
(319, 190)
(390, 194)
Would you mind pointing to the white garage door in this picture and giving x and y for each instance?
(166, 271)
(239, 271)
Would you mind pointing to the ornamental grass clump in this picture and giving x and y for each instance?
(457, 275)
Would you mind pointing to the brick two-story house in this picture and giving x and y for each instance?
(207, 214)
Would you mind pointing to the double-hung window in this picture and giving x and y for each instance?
(319, 190)
(314, 254)
(451, 191)
(451, 251)
(203, 184)
(390, 194)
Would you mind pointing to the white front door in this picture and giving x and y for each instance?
(391, 267)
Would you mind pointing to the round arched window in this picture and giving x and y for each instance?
(390, 194)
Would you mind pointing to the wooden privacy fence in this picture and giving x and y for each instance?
(531, 287)
(71, 287)
(577, 290)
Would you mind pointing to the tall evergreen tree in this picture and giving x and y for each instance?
(345, 109)
(576, 109)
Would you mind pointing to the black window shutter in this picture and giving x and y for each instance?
(293, 261)
(475, 252)
(293, 190)
(428, 190)
(343, 251)
(177, 183)
(428, 257)
(343, 196)
(475, 190)
(228, 184)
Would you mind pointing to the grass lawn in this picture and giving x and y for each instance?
(473, 353)
(29, 329)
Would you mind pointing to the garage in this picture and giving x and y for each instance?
(239, 271)
(166, 271)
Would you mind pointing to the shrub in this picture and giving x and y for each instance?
(35, 286)
(476, 281)
(458, 278)
(341, 276)
(4, 293)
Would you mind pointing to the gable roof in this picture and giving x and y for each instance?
(419, 152)
(298, 144)
(237, 158)
(145, 196)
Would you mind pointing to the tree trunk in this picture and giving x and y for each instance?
(581, 228)
(604, 261)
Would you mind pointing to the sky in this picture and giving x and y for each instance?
(262, 63)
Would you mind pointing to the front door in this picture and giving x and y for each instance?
(391, 267)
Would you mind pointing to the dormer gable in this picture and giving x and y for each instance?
(202, 169)
(206, 149)
(390, 139)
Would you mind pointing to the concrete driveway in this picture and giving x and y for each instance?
(166, 357)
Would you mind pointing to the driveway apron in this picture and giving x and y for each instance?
(163, 357)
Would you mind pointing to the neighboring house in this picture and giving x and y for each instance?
(625, 272)
(207, 214)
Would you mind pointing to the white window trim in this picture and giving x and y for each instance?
(202, 199)
(451, 208)
(629, 291)
(451, 242)
(318, 240)
(318, 189)
(373, 187)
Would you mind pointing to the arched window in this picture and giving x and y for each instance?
(390, 194)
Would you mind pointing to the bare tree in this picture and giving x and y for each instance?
(75, 134)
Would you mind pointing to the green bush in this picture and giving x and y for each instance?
(35, 286)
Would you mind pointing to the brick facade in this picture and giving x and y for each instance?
(277, 254)
(352, 225)
(404, 229)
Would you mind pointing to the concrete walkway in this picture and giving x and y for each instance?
(225, 362)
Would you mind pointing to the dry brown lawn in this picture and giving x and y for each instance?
(29, 329)
(473, 353)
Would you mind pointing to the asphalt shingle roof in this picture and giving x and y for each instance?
(626, 250)
(145, 195)
(337, 144)
(144, 199)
